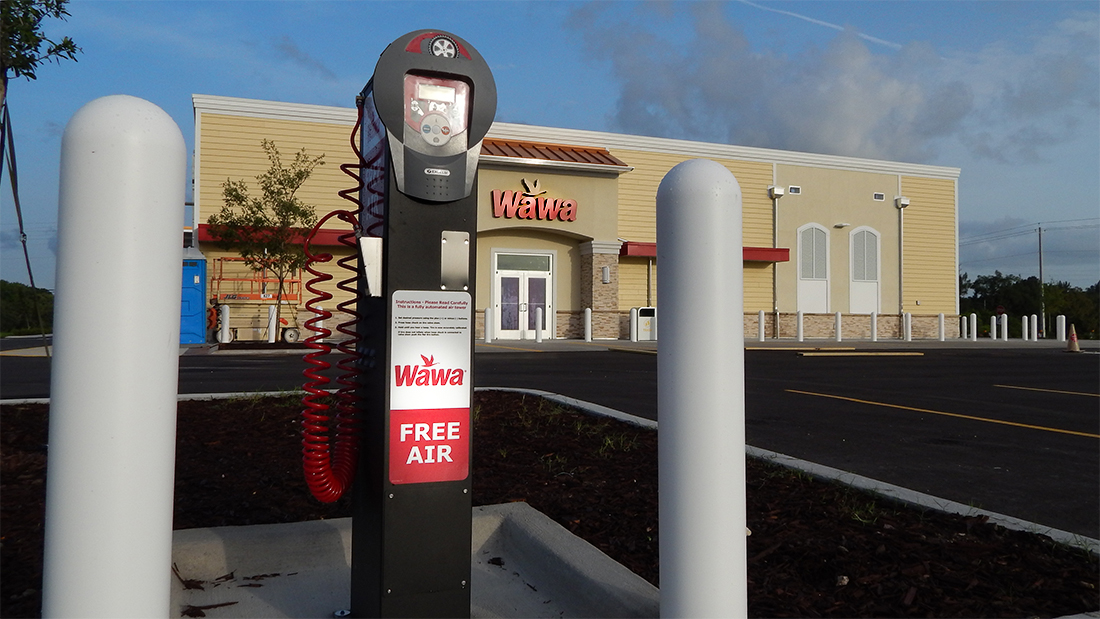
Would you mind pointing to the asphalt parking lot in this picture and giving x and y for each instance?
(1013, 428)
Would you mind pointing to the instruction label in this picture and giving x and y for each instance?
(429, 431)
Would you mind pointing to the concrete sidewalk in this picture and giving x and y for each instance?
(523, 564)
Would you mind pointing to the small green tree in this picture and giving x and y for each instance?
(269, 230)
(21, 39)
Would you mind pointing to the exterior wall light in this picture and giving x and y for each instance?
(775, 192)
(901, 202)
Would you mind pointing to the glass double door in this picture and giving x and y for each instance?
(520, 293)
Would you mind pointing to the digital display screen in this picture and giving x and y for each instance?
(434, 92)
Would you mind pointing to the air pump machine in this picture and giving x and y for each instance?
(404, 409)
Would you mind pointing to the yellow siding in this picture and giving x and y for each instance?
(638, 192)
(758, 286)
(632, 283)
(929, 268)
(230, 149)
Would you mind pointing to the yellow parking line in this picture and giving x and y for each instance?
(511, 348)
(960, 416)
(1095, 395)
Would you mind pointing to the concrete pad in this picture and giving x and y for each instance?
(523, 564)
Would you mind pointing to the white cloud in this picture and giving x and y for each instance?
(1000, 103)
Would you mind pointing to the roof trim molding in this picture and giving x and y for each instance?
(555, 165)
(580, 137)
(275, 110)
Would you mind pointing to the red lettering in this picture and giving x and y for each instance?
(568, 211)
(410, 375)
(548, 208)
(405, 374)
(505, 203)
(527, 208)
(423, 377)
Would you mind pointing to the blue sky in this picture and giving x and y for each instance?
(1007, 91)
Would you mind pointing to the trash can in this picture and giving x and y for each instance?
(647, 324)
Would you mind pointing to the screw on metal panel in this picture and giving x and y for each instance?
(342, 613)
(389, 590)
(463, 583)
(465, 490)
(391, 495)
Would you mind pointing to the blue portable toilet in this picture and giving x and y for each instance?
(193, 299)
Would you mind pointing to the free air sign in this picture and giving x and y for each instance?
(429, 431)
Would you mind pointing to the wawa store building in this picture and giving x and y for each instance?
(567, 221)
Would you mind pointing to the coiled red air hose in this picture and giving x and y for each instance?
(329, 471)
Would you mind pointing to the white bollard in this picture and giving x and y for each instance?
(760, 326)
(993, 328)
(943, 328)
(272, 323)
(488, 325)
(973, 327)
(962, 327)
(798, 326)
(874, 326)
(836, 326)
(907, 326)
(588, 324)
(1034, 328)
(538, 325)
(1004, 327)
(633, 324)
(1060, 327)
(701, 394)
(224, 334)
(112, 426)
(1025, 322)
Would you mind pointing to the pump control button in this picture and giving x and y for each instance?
(435, 129)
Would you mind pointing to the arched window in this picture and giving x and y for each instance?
(863, 291)
(813, 268)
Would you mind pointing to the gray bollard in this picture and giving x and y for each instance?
(799, 335)
(973, 327)
(538, 325)
(112, 426)
(874, 326)
(907, 325)
(588, 324)
(633, 324)
(836, 326)
(993, 328)
(760, 326)
(701, 394)
(942, 327)
(962, 327)
(225, 335)
(1004, 327)
(1060, 327)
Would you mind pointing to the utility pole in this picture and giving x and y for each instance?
(1042, 291)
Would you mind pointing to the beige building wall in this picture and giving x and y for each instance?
(832, 197)
(930, 242)
(638, 222)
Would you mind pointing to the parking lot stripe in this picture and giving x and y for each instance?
(1094, 395)
(959, 415)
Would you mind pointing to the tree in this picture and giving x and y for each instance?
(21, 39)
(268, 230)
(25, 310)
(1019, 297)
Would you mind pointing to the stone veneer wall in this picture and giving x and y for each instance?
(570, 326)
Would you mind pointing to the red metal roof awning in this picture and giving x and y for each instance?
(749, 254)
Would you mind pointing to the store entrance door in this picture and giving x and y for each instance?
(520, 291)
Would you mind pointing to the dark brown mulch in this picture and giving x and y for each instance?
(817, 549)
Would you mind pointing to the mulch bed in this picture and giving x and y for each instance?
(817, 549)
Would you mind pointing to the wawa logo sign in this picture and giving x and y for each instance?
(532, 204)
(427, 375)
(429, 444)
